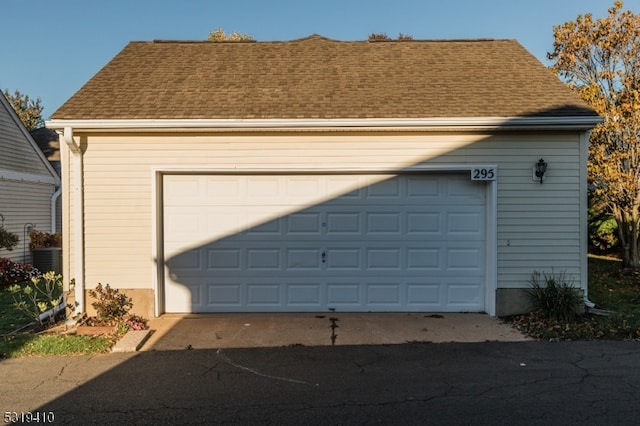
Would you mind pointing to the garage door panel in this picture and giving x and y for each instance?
(427, 259)
(384, 223)
(318, 242)
(224, 295)
(221, 188)
(344, 294)
(307, 223)
(303, 259)
(263, 259)
(386, 190)
(464, 294)
(468, 224)
(187, 297)
(185, 187)
(302, 186)
(264, 294)
(229, 259)
(347, 187)
(185, 223)
(261, 187)
(422, 190)
(383, 259)
(421, 294)
(347, 223)
(460, 192)
(424, 223)
(304, 294)
(384, 294)
(187, 261)
(254, 226)
(343, 259)
(464, 259)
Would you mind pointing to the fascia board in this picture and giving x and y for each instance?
(428, 124)
(16, 176)
(7, 105)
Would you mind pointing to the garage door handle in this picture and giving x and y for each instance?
(324, 256)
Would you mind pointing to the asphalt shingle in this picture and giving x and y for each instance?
(316, 77)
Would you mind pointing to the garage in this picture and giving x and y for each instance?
(318, 175)
(324, 242)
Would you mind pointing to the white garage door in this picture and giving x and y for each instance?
(291, 243)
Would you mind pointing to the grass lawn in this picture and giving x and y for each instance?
(613, 288)
(10, 319)
(27, 344)
(39, 344)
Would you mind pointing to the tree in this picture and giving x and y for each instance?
(220, 35)
(378, 36)
(29, 111)
(600, 60)
(385, 37)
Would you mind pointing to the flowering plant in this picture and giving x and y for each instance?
(43, 294)
(14, 272)
(44, 239)
(135, 322)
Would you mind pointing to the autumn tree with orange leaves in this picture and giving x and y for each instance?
(219, 35)
(600, 60)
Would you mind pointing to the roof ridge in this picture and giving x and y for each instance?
(319, 37)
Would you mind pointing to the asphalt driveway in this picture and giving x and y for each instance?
(420, 383)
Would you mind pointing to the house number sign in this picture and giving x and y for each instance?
(483, 173)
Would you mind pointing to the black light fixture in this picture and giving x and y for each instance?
(540, 169)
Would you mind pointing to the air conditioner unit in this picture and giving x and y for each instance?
(47, 259)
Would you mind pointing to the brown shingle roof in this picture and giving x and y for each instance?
(316, 77)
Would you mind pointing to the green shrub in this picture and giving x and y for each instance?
(110, 304)
(43, 294)
(553, 296)
(8, 240)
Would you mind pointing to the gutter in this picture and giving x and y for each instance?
(434, 124)
(78, 215)
(54, 199)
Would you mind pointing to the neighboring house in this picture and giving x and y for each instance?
(49, 143)
(28, 183)
(320, 175)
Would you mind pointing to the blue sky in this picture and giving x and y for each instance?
(50, 48)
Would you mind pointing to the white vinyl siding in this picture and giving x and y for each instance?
(23, 203)
(26, 184)
(538, 225)
(17, 154)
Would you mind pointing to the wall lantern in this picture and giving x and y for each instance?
(539, 169)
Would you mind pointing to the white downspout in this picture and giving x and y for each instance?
(584, 208)
(77, 221)
(54, 217)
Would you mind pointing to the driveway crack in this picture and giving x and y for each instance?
(257, 373)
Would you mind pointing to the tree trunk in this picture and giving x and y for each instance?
(629, 236)
(623, 235)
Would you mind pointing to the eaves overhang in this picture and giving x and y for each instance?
(580, 123)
